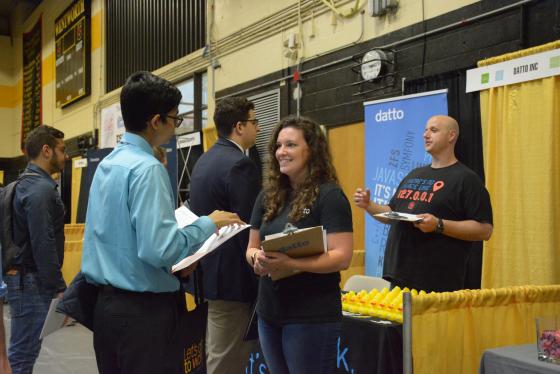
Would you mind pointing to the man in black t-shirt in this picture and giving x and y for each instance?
(454, 208)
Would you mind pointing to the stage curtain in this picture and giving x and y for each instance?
(521, 141)
(451, 330)
(209, 137)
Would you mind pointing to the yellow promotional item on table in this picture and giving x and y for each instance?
(384, 304)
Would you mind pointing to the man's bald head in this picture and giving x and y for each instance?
(449, 123)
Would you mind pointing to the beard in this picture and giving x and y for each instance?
(56, 165)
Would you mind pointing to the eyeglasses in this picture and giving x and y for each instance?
(176, 120)
(254, 121)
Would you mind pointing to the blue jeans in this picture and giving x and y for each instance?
(28, 308)
(299, 348)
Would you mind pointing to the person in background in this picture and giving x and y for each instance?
(132, 239)
(299, 317)
(454, 210)
(4, 362)
(225, 178)
(35, 277)
(161, 154)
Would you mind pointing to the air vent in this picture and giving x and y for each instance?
(267, 110)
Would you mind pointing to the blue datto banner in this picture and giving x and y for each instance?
(394, 145)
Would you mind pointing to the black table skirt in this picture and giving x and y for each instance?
(373, 347)
(366, 345)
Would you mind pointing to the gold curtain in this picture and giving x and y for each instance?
(73, 241)
(341, 139)
(451, 330)
(209, 137)
(75, 190)
(521, 140)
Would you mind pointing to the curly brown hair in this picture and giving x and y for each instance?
(319, 170)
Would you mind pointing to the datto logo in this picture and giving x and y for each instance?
(389, 115)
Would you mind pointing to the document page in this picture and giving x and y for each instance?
(54, 321)
(185, 217)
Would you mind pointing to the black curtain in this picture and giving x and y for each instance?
(465, 108)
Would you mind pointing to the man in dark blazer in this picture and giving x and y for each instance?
(225, 178)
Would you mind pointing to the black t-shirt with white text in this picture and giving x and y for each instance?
(304, 297)
(430, 261)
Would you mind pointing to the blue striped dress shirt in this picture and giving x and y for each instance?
(131, 236)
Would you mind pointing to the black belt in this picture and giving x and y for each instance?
(176, 297)
(115, 290)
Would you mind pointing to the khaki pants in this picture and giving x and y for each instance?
(225, 349)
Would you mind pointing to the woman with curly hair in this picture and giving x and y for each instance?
(299, 317)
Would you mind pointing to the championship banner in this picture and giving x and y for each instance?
(394, 145)
(31, 115)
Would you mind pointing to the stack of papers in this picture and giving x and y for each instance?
(398, 216)
(185, 217)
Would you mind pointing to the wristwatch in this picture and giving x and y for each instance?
(439, 227)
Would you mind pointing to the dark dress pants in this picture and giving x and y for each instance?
(134, 333)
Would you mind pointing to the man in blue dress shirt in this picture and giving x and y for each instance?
(132, 239)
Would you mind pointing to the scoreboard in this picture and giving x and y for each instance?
(73, 53)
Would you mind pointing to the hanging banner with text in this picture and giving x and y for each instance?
(394, 146)
(523, 69)
(31, 115)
